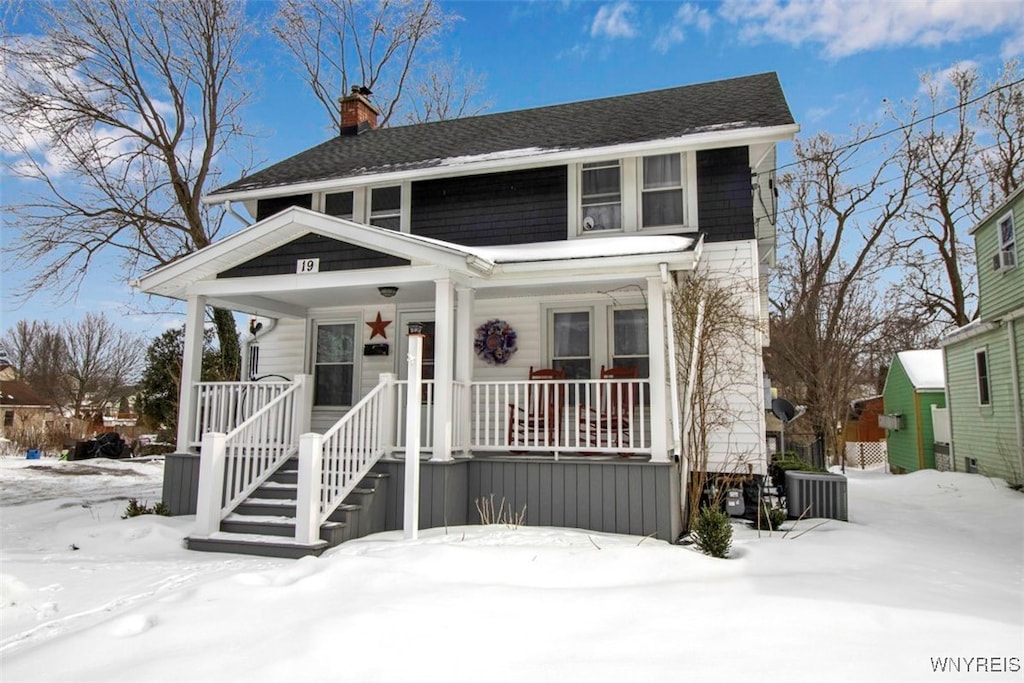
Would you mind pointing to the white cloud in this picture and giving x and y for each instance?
(614, 21)
(688, 15)
(846, 27)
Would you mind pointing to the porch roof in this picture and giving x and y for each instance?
(525, 267)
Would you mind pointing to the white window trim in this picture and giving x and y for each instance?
(356, 320)
(988, 377)
(631, 172)
(602, 318)
(1001, 246)
(361, 202)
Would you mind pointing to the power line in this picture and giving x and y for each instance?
(905, 126)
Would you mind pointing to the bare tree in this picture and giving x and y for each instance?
(380, 45)
(37, 353)
(825, 310)
(448, 92)
(963, 153)
(100, 360)
(1001, 115)
(123, 113)
(89, 361)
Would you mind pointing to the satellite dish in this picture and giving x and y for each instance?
(783, 409)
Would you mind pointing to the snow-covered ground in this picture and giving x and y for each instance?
(927, 573)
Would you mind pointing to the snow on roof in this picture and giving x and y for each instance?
(924, 368)
(588, 248)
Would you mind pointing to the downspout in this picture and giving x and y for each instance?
(249, 341)
(673, 370)
(230, 211)
(698, 331)
(1011, 334)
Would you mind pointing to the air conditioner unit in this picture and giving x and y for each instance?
(816, 494)
(1004, 259)
(891, 421)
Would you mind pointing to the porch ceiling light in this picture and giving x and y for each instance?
(387, 291)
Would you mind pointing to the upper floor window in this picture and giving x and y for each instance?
(386, 207)
(1007, 243)
(651, 193)
(340, 204)
(601, 196)
(662, 189)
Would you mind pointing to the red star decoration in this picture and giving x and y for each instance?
(379, 327)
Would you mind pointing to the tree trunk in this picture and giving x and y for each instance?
(230, 351)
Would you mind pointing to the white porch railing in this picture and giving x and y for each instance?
(426, 415)
(332, 464)
(222, 406)
(233, 465)
(588, 416)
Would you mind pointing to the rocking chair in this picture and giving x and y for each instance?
(607, 422)
(535, 421)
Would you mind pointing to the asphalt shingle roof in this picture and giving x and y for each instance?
(745, 102)
(17, 393)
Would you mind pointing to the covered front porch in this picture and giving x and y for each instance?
(468, 408)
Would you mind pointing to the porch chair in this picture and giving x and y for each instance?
(608, 418)
(536, 420)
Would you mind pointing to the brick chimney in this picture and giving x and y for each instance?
(357, 112)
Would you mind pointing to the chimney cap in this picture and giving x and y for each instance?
(361, 90)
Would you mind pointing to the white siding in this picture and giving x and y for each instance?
(744, 441)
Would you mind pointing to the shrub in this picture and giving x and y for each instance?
(771, 518)
(780, 466)
(135, 508)
(713, 533)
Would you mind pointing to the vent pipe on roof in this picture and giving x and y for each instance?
(357, 112)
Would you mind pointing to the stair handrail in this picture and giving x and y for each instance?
(331, 465)
(234, 465)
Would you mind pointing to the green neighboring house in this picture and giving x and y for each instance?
(985, 359)
(916, 381)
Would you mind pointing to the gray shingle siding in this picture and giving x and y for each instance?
(333, 255)
(493, 209)
(725, 202)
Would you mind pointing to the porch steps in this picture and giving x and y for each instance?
(264, 524)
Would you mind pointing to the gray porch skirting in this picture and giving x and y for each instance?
(610, 495)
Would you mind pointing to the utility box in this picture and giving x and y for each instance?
(816, 494)
(734, 502)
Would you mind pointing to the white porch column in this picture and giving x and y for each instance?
(656, 348)
(191, 369)
(307, 505)
(463, 361)
(444, 305)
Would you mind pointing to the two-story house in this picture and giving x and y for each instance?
(985, 359)
(539, 252)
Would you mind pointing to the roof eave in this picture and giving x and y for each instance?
(465, 166)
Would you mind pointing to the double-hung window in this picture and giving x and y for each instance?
(629, 340)
(662, 191)
(1007, 242)
(601, 196)
(981, 368)
(340, 204)
(386, 207)
(571, 343)
(334, 364)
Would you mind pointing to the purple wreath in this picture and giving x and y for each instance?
(495, 342)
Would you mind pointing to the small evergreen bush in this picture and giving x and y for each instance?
(135, 508)
(780, 466)
(771, 518)
(713, 533)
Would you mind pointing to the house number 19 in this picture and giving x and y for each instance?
(307, 265)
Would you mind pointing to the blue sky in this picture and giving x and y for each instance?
(837, 61)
